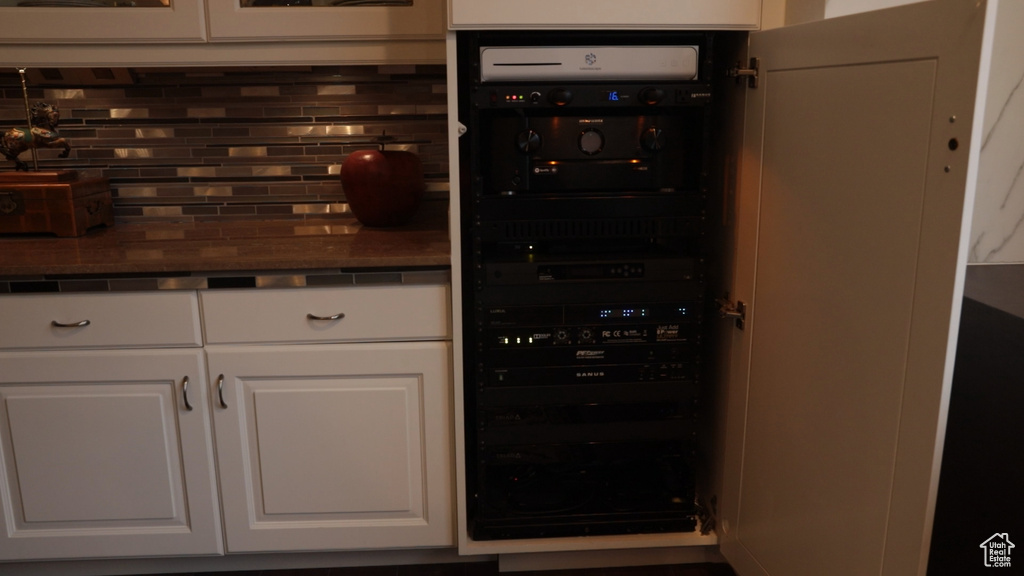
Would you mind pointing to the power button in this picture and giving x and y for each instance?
(560, 96)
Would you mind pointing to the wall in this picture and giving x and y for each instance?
(235, 143)
(997, 230)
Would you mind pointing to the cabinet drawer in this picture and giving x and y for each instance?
(326, 314)
(122, 320)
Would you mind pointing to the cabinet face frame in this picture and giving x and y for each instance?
(182, 21)
(941, 261)
(34, 383)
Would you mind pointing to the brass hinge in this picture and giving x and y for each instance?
(738, 72)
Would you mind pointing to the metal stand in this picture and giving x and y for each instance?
(28, 119)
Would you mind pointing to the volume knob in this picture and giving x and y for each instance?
(652, 139)
(528, 141)
(560, 96)
(591, 142)
(652, 95)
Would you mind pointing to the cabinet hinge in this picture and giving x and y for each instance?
(739, 72)
(729, 309)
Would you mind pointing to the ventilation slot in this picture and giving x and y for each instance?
(620, 228)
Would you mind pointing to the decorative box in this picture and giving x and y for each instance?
(58, 202)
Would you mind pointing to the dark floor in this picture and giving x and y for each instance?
(483, 569)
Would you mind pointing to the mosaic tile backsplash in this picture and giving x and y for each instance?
(236, 143)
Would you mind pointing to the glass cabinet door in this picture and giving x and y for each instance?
(354, 20)
(101, 21)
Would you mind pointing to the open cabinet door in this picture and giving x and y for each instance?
(858, 165)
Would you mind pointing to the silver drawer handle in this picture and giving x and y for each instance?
(337, 316)
(184, 394)
(81, 324)
(220, 391)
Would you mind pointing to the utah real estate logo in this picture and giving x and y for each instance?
(997, 550)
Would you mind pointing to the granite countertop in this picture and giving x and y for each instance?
(210, 247)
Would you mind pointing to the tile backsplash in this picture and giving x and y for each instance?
(192, 144)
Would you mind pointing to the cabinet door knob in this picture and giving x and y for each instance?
(220, 391)
(337, 316)
(184, 393)
(81, 324)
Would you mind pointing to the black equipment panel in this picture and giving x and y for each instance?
(583, 262)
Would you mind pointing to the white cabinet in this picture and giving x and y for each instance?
(180, 21)
(331, 412)
(655, 14)
(104, 453)
(848, 239)
(332, 446)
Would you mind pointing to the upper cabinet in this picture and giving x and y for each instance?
(86, 33)
(94, 22)
(252, 20)
(638, 14)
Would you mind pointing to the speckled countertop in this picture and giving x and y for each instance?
(187, 248)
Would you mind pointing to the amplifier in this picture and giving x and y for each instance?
(588, 488)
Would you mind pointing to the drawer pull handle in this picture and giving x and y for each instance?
(184, 394)
(220, 391)
(81, 324)
(337, 316)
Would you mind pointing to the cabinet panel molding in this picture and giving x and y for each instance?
(322, 427)
(91, 453)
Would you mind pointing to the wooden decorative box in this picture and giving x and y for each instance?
(57, 202)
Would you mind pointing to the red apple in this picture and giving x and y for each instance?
(383, 187)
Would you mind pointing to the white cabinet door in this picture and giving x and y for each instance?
(333, 447)
(102, 456)
(180, 21)
(611, 14)
(858, 173)
(232, 20)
